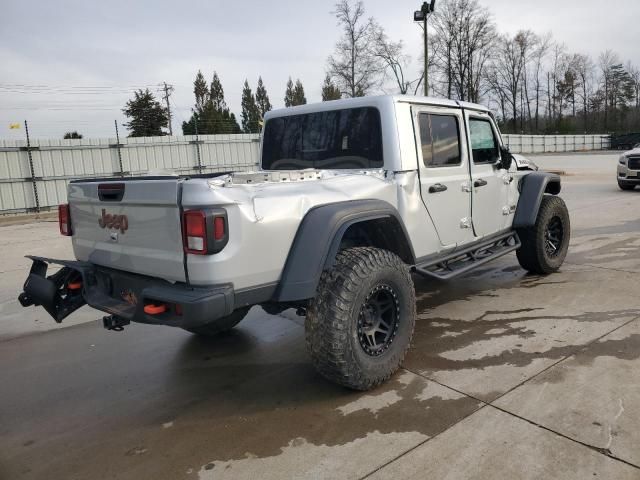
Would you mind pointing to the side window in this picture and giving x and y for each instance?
(483, 142)
(440, 139)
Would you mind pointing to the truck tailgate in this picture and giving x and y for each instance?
(131, 225)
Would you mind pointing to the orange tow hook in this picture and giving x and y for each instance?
(152, 309)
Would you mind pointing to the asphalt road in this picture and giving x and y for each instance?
(509, 376)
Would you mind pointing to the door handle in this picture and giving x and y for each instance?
(437, 188)
(480, 183)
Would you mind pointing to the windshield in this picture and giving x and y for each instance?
(337, 139)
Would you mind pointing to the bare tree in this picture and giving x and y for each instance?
(606, 62)
(444, 25)
(539, 56)
(554, 77)
(494, 86)
(395, 61)
(468, 34)
(634, 74)
(512, 55)
(354, 65)
(583, 67)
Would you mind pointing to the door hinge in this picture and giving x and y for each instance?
(466, 187)
(465, 223)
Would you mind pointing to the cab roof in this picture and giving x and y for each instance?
(379, 101)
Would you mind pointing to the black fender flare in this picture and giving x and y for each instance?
(532, 188)
(318, 239)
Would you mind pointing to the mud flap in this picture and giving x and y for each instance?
(53, 293)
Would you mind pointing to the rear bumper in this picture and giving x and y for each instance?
(123, 295)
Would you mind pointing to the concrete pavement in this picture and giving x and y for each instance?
(509, 376)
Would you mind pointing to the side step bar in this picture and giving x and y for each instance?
(462, 261)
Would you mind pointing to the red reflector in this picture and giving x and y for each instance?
(218, 228)
(74, 286)
(64, 220)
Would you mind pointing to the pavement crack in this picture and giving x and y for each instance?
(600, 267)
(604, 451)
(420, 444)
(611, 425)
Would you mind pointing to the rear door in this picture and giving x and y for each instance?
(490, 198)
(131, 225)
(444, 172)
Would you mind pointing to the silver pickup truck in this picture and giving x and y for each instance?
(352, 198)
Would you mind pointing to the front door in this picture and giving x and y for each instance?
(490, 198)
(444, 172)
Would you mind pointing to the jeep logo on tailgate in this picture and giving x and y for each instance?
(108, 220)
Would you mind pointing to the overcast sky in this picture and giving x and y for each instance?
(78, 60)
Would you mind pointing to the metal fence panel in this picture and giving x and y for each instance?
(55, 162)
(556, 143)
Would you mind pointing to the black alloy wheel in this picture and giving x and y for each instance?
(378, 320)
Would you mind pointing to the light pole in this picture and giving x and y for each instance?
(421, 16)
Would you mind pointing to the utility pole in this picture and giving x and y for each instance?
(32, 169)
(426, 54)
(115, 122)
(168, 89)
(421, 16)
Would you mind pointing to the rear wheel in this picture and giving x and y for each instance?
(221, 325)
(359, 326)
(545, 245)
(626, 185)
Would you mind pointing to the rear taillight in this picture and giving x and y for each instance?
(204, 231)
(64, 220)
(195, 232)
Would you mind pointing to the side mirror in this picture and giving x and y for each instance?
(507, 158)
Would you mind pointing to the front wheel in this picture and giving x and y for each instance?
(545, 245)
(359, 326)
(221, 325)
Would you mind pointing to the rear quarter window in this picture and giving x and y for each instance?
(337, 139)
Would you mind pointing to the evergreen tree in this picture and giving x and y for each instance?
(298, 94)
(147, 117)
(329, 90)
(211, 122)
(288, 94)
(72, 135)
(250, 111)
(210, 113)
(201, 91)
(262, 99)
(217, 93)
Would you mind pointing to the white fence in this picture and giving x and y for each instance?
(35, 177)
(556, 143)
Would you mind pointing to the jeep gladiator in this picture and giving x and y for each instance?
(353, 197)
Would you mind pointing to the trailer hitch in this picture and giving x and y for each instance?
(114, 323)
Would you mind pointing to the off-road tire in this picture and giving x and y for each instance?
(626, 185)
(220, 325)
(534, 255)
(334, 317)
